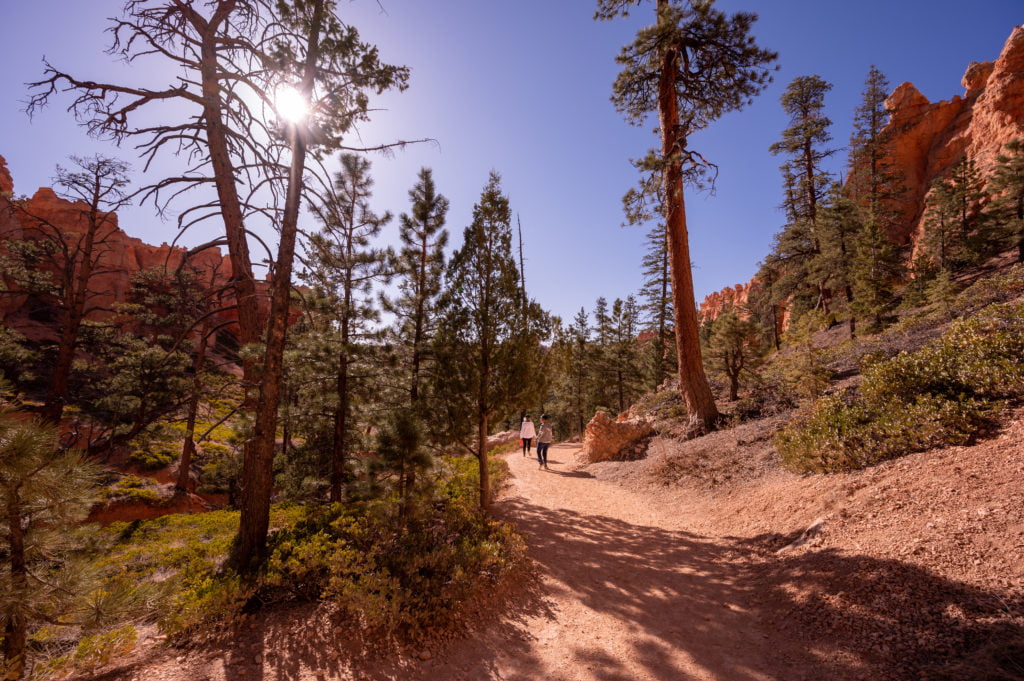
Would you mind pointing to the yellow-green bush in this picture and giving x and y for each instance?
(941, 394)
(391, 570)
(92, 652)
(132, 488)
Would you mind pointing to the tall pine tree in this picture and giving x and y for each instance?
(345, 266)
(489, 361)
(691, 67)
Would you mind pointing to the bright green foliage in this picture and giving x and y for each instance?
(45, 493)
(941, 394)
(489, 357)
(1007, 184)
(393, 572)
(93, 652)
(733, 349)
(132, 488)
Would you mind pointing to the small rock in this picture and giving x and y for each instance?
(425, 655)
(257, 659)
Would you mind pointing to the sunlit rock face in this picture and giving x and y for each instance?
(6, 183)
(606, 438)
(928, 139)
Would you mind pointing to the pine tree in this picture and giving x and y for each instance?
(579, 373)
(839, 228)
(657, 306)
(877, 266)
(958, 232)
(804, 145)
(940, 226)
(345, 269)
(1008, 184)
(874, 182)
(488, 361)
(622, 352)
(45, 493)
(691, 67)
(419, 268)
(59, 266)
(733, 348)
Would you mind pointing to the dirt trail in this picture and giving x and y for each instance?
(620, 591)
(624, 592)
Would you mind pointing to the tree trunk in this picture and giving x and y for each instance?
(485, 478)
(339, 452)
(244, 283)
(78, 291)
(188, 447)
(16, 631)
(853, 318)
(258, 462)
(693, 384)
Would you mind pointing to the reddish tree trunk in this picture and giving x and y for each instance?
(249, 326)
(693, 384)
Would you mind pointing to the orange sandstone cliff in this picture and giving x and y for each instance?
(927, 139)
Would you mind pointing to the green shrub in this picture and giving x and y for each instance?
(154, 457)
(392, 571)
(132, 488)
(941, 394)
(93, 652)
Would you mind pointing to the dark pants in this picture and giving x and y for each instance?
(542, 453)
(526, 444)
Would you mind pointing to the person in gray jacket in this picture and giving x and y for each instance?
(544, 437)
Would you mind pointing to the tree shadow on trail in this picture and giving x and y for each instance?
(729, 608)
(741, 613)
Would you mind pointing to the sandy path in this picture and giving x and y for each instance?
(621, 592)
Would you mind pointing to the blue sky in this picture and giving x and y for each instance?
(522, 88)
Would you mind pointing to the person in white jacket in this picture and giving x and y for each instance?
(527, 432)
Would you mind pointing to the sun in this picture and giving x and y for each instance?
(291, 106)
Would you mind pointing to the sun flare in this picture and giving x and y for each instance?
(290, 104)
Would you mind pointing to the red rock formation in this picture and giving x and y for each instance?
(928, 139)
(6, 183)
(730, 298)
(121, 255)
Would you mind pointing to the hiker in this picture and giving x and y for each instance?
(543, 441)
(526, 434)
